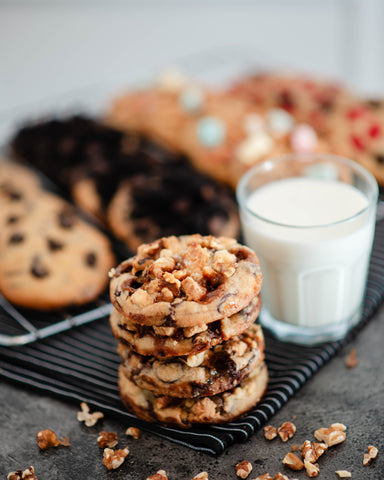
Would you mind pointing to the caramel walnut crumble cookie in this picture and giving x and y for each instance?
(184, 313)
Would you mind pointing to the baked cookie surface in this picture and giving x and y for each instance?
(220, 408)
(186, 281)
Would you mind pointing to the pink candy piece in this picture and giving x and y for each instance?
(303, 139)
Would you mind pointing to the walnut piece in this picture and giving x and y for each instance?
(293, 461)
(351, 360)
(286, 431)
(280, 476)
(201, 476)
(159, 475)
(311, 469)
(243, 469)
(47, 438)
(312, 451)
(265, 476)
(333, 435)
(90, 419)
(107, 439)
(372, 453)
(270, 432)
(133, 432)
(27, 474)
(112, 459)
(295, 447)
(343, 474)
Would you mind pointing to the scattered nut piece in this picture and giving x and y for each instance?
(47, 438)
(333, 435)
(243, 469)
(286, 431)
(133, 432)
(351, 360)
(372, 453)
(312, 451)
(201, 476)
(112, 459)
(265, 476)
(270, 432)
(159, 475)
(343, 473)
(107, 439)
(293, 461)
(90, 419)
(295, 447)
(27, 474)
(280, 476)
(312, 469)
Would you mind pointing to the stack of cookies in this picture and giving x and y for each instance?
(184, 316)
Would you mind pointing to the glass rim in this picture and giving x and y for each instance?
(244, 181)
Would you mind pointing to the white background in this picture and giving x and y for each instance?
(50, 47)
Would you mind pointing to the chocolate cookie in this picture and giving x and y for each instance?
(205, 374)
(49, 258)
(220, 408)
(186, 281)
(172, 341)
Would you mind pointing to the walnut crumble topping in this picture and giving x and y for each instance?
(27, 474)
(47, 438)
(90, 419)
(112, 459)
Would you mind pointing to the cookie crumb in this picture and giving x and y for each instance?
(112, 459)
(133, 432)
(47, 438)
(27, 474)
(286, 431)
(351, 360)
(372, 453)
(159, 475)
(343, 474)
(90, 419)
(270, 432)
(243, 469)
(107, 439)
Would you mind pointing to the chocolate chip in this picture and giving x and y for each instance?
(12, 219)
(380, 159)
(66, 219)
(37, 268)
(54, 245)
(11, 192)
(16, 237)
(90, 259)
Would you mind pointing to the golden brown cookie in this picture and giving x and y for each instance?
(205, 374)
(186, 281)
(171, 341)
(220, 408)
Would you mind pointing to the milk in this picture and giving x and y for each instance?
(313, 238)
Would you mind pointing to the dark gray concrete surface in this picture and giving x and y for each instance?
(353, 397)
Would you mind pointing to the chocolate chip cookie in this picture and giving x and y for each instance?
(186, 281)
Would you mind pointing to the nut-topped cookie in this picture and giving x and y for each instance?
(186, 281)
(207, 373)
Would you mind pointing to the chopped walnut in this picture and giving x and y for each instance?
(312, 469)
(195, 360)
(112, 459)
(293, 461)
(280, 476)
(333, 435)
(286, 431)
(270, 432)
(192, 289)
(351, 360)
(312, 451)
(133, 432)
(27, 474)
(190, 331)
(90, 419)
(164, 331)
(159, 475)
(107, 439)
(295, 447)
(47, 438)
(224, 263)
(265, 476)
(372, 453)
(243, 469)
(343, 474)
(201, 476)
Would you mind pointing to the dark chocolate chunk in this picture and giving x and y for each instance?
(90, 259)
(66, 219)
(16, 237)
(54, 245)
(380, 159)
(12, 219)
(37, 268)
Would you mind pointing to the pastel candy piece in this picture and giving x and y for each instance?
(323, 171)
(211, 131)
(171, 80)
(280, 121)
(254, 148)
(303, 139)
(192, 99)
(253, 123)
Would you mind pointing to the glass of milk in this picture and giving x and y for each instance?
(310, 218)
